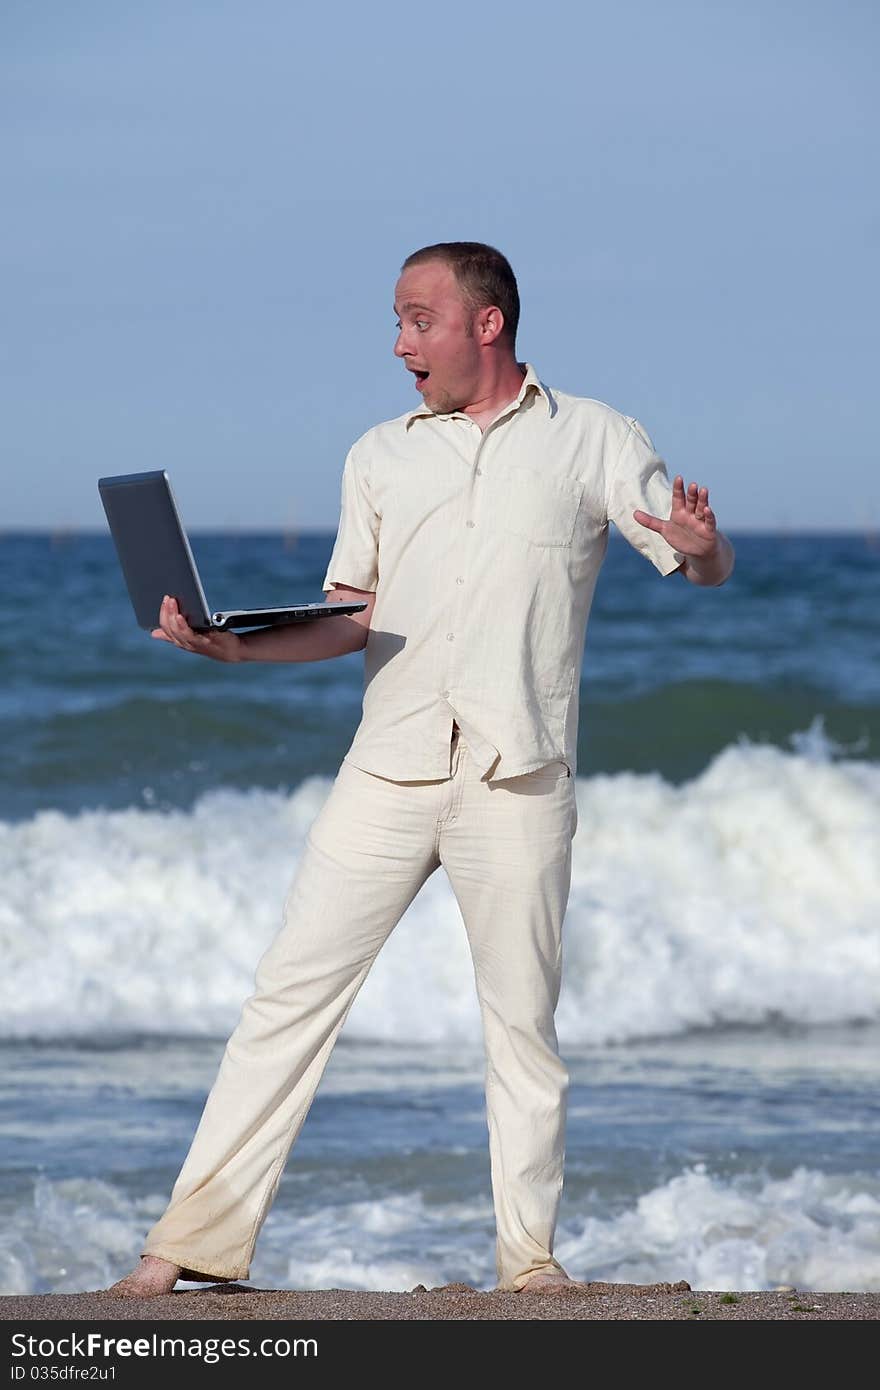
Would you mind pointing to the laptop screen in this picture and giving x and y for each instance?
(154, 553)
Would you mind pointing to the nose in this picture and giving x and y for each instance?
(401, 345)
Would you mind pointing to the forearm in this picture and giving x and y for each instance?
(711, 569)
(317, 640)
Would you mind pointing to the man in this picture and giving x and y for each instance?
(474, 527)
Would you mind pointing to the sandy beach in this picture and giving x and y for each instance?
(450, 1302)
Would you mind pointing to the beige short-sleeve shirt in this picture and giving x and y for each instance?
(483, 548)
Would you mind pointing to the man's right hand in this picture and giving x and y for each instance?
(173, 628)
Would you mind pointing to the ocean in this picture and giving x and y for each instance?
(720, 1011)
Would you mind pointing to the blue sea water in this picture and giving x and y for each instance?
(720, 1012)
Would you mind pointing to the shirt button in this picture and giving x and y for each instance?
(459, 580)
(445, 694)
(450, 636)
(479, 472)
(470, 525)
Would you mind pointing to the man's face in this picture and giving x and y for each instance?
(436, 340)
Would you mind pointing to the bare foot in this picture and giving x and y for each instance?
(546, 1280)
(151, 1278)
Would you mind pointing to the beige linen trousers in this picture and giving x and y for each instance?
(506, 847)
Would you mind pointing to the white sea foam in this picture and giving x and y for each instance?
(810, 1230)
(749, 893)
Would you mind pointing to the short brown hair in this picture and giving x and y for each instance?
(484, 276)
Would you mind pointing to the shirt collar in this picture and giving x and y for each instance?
(531, 383)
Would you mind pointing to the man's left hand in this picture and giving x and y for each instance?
(693, 531)
(691, 528)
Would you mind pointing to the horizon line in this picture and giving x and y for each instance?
(870, 532)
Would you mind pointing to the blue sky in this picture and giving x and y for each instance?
(206, 206)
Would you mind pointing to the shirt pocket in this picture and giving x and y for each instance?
(539, 508)
(557, 771)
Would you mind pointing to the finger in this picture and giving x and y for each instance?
(709, 519)
(175, 627)
(702, 502)
(178, 632)
(180, 627)
(201, 642)
(166, 617)
(692, 497)
(678, 499)
(653, 523)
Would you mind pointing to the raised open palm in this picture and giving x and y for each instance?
(691, 527)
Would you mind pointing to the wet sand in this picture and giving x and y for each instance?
(589, 1301)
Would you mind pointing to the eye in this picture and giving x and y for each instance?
(398, 325)
(422, 324)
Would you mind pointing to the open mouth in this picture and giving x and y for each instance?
(421, 378)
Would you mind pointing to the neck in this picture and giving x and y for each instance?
(500, 385)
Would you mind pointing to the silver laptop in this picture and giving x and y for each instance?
(156, 559)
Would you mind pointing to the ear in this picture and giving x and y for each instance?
(490, 324)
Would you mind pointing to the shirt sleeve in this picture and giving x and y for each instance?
(354, 561)
(638, 480)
